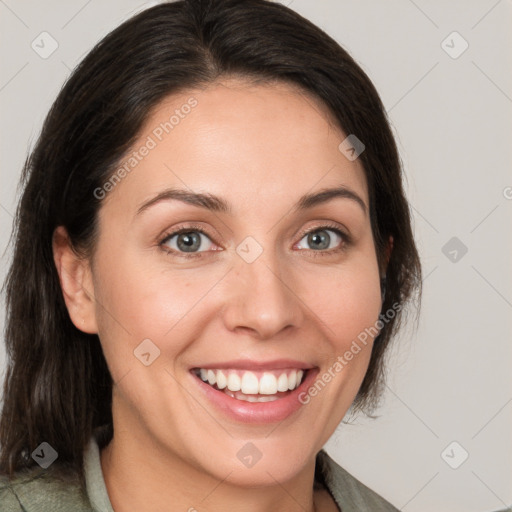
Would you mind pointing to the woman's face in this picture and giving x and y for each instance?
(243, 289)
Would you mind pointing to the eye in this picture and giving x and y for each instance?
(187, 240)
(323, 238)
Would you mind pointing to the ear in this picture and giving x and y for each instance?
(76, 282)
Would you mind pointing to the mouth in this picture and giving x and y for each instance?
(255, 393)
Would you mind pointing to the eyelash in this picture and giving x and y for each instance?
(346, 240)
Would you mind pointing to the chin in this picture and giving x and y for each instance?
(258, 463)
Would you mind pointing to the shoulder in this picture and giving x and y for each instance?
(350, 494)
(37, 490)
(8, 499)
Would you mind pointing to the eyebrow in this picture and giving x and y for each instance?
(218, 204)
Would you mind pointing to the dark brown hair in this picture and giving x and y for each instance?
(57, 386)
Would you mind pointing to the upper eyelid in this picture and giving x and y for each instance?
(185, 229)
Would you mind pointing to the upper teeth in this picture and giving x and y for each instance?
(265, 383)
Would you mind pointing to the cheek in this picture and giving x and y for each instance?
(137, 300)
(133, 304)
(347, 300)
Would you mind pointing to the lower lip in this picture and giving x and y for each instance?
(257, 412)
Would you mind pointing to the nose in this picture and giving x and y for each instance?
(261, 298)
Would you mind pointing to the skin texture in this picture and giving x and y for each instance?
(260, 147)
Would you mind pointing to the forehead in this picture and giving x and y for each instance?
(240, 140)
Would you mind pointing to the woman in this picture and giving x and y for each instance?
(213, 252)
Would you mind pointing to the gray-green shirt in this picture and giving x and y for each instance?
(36, 491)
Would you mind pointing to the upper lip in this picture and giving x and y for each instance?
(248, 364)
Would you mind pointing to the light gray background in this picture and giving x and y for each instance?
(450, 380)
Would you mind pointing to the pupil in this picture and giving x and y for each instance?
(189, 241)
(321, 239)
